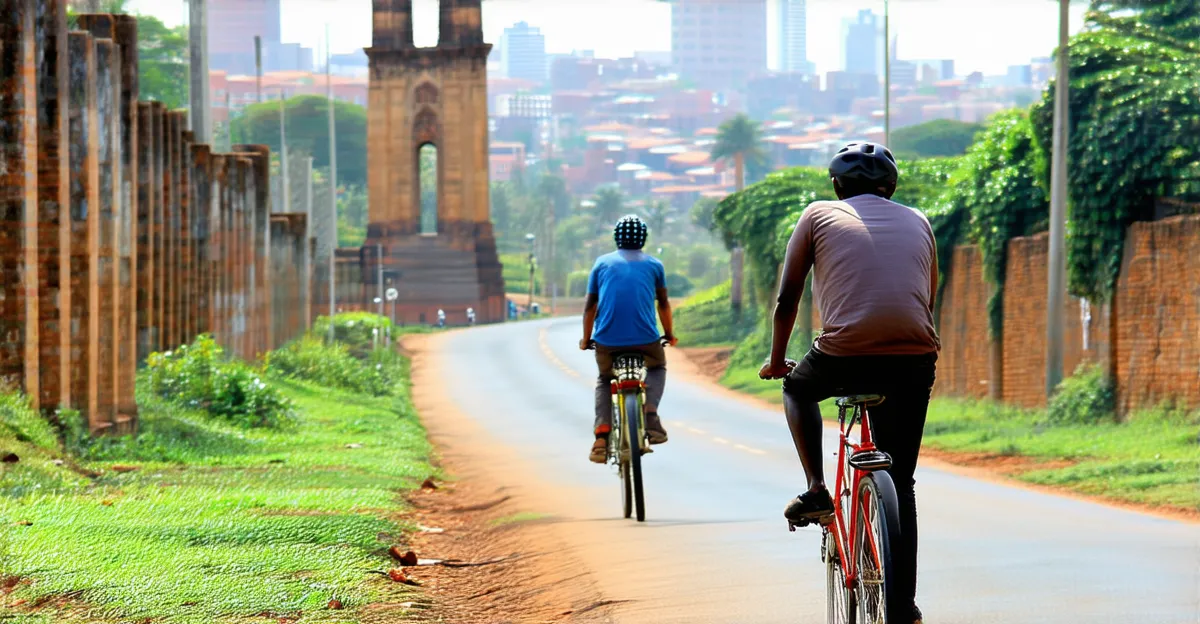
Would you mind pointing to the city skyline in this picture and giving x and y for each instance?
(977, 34)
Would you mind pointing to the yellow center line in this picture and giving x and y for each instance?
(549, 353)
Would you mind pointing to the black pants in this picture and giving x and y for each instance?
(897, 424)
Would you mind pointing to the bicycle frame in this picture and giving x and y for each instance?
(628, 379)
(846, 522)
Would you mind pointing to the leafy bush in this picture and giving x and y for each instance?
(354, 329)
(310, 359)
(678, 285)
(22, 422)
(1085, 398)
(200, 376)
(707, 318)
(577, 283)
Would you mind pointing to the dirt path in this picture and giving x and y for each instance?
(528, 574)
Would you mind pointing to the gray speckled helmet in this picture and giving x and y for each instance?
(630, 232)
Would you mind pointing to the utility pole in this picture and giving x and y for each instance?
(379, 275)
(229, 120)
(258, 67)
(200, 109)
(306, 283)
(332, 190)
(887, 75)
(283, 153)
(1057, 280)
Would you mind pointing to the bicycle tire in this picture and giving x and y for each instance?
(839, 600)
(633, 410)
(617, 448)
(880, 606)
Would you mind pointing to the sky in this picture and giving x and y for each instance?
(980, 35)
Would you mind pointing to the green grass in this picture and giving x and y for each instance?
(707, 319)
(218, 524)
(1152, 457)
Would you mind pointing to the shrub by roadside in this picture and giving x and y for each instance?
(201, 376)
(200, 518)
(707, 319)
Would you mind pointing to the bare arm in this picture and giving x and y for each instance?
(664, 315)
(796, 265)
(933, 281)
(589, 319)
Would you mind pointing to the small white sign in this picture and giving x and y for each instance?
(392, 294)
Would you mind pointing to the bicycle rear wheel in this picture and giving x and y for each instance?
(839, 599)
(878, 529)
(633, 411)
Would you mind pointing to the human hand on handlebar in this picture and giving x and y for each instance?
(586, 344)
(776, 371)
(669, 340)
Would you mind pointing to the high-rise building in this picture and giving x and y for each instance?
(719, 44)
(524, 50)
(232, 26)
(793, 36)
(864, 54)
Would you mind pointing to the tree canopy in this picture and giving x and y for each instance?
(940, 137)
(307, 119)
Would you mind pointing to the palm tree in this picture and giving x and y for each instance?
(610, 205)
(739, 139)
(656, 217)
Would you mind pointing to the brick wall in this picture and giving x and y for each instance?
(1157, 308)
(119, 235)
(1154, 354)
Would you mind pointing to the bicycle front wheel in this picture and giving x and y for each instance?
(877, 533)
(619, 449)
(633, 433)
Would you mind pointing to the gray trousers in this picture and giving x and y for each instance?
(656, 380)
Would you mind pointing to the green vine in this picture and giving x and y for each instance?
(1134, 125)
(999, 189)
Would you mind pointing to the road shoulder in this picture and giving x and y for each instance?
(486, 516)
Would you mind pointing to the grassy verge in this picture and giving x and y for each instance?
(706, 319)
(1151, 458)
(201, 519)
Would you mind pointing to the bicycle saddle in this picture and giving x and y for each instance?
(862, 400)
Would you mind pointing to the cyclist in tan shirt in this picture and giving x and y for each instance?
(875, 275)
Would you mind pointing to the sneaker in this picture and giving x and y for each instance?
(599, 453)
(654, 429)
(808, 507)
(917, 617)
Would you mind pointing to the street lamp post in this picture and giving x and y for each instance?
(887, 76)
(530, 238)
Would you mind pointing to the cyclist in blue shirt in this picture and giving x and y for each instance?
(624, 289)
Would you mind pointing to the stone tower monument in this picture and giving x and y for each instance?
(430, 97)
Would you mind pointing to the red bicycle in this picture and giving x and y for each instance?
(857, 539)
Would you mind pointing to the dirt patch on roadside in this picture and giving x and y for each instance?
(708, 362)
(1008, 465)
(500, 564)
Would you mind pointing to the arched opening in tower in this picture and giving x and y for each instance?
(428, 158)
(425, 21)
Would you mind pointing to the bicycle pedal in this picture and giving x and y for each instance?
(871, 460)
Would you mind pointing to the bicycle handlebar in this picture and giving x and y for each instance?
(662, 340)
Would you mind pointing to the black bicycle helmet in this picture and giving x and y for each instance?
(864, 163)
(630, 232)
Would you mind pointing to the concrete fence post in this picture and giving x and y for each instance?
(144, 261)
(18, 199)
(126, 37)
(184, 298)
(157, 161)
(202, 186)
(108, 105)
(85, 224)
(170, 191)
(54, 231)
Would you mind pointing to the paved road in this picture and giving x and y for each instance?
(715, 547)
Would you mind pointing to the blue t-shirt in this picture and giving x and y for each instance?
(627, 283)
